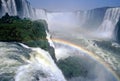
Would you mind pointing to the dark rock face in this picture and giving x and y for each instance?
(117, 32)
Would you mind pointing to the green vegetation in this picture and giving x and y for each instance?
(32, 33)
(72, 67)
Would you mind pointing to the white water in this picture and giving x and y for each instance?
(41, 66)
(84, 16)
(40, 14)
(107, 27)
(49, 40)
(62, 19)
(26, 11)
(9, 7)
(23, 63)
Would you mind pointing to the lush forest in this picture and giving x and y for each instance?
(32, 33)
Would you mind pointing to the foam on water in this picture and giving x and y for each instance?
(22, 63)
(40, 67)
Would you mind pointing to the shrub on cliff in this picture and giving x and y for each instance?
(32, 33)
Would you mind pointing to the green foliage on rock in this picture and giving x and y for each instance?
(72, 67)
(32, 33)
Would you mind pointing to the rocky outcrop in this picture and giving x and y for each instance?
(31, 33)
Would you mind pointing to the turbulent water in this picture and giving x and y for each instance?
(22, 63)
(109, 22)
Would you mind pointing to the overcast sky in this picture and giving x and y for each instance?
(68, 5)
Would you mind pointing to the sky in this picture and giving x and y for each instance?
(72, 5)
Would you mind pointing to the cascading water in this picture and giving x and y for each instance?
(40, 14)
(26, 12)
(106, 29)
(49, 40)
(85, 16)
(21, 8)
(9, 7)
(41, 67)
(91, 18)
(22, 63)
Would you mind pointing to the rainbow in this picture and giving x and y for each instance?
(92, 55)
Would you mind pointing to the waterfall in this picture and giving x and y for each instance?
(85, 16)
(26, 9)
(4, 7)
(40, 14)
(9, 7)
(108, 25)
(41, 67)
(22, 63)
(12, 7)
(91, 19)
(99, 23)
(49, 40)
(21, 8)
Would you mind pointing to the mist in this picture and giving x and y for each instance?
(78, 61)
